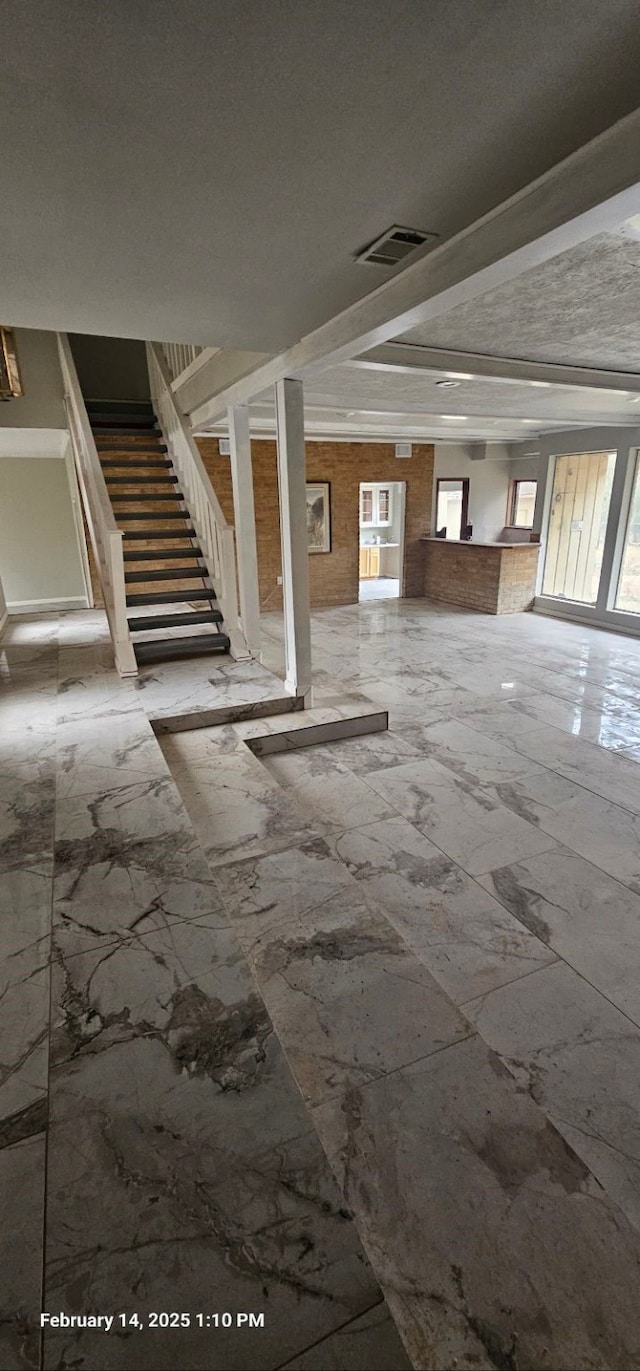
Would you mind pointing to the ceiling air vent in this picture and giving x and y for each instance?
(224, 446)
(403, 449)
(395, 246)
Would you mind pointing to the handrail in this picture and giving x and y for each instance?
(215, 536)
(106, 537)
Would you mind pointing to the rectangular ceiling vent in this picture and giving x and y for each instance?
(403, 449)
(395, 247)
(224, 446)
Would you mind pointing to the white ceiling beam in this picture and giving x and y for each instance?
(426, 420)
(407, 358)
(593, 190)
(493, 429)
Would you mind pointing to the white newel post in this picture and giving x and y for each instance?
(292, 483)
(245, 525)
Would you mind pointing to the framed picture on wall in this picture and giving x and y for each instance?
(319, 517)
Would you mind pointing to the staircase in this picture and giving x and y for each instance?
(171, 605)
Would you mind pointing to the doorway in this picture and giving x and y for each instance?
(452, 508)
(381, 550)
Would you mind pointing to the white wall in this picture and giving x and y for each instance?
(488, 485)
(39, 554)
(42, 405)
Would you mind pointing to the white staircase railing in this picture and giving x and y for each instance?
(179, 356)
(106, 537)
(215, 536)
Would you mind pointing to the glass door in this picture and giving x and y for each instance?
(577, 525)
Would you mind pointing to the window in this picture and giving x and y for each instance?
(375, 504)
(628, 592)
(522, 502)
(577, 525)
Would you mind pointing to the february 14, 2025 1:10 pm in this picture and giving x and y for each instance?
(108, 1323)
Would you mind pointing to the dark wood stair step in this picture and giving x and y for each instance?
(155, 514)
(147, 498)
(174, 573)
(124, 463)
(148, 533)
(171, 597)
(115, 424)
(146, 622)
(131, 448)
(95, 405)
(158, 554)
(197, 646)
(144, 480)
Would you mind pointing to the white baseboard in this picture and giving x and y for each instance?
(41, 606)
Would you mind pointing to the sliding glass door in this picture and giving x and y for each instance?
(578, 515)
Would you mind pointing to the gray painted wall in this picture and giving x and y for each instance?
(110, 368)
(39, 555)
(488, 485)
(42, 405)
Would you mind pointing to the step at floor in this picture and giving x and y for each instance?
(243, 804)
(149, 619)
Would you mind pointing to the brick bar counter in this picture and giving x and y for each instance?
(499, 578)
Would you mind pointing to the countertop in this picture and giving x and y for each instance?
(472, 542)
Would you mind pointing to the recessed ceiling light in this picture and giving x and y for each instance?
(546, 384)
(528, 421)
(458, 418)
(447, 385)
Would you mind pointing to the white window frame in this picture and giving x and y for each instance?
(603, 613)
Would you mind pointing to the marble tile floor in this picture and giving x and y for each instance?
(351, 1034)
(153, 1139)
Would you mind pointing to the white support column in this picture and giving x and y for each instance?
(292, 486)
(245, 525)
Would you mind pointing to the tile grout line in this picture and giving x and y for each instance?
(282, 1366)
(45, 1188)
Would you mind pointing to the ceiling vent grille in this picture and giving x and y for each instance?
(224, 447)
(395, 247)
(403, 449)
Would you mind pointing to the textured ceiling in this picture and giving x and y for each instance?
(581, 308)
(352, 388)
(204, 170)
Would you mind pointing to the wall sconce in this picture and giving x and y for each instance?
(10, 378)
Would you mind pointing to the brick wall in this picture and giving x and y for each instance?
(497, 580)
(518, 578)
(334, 575)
